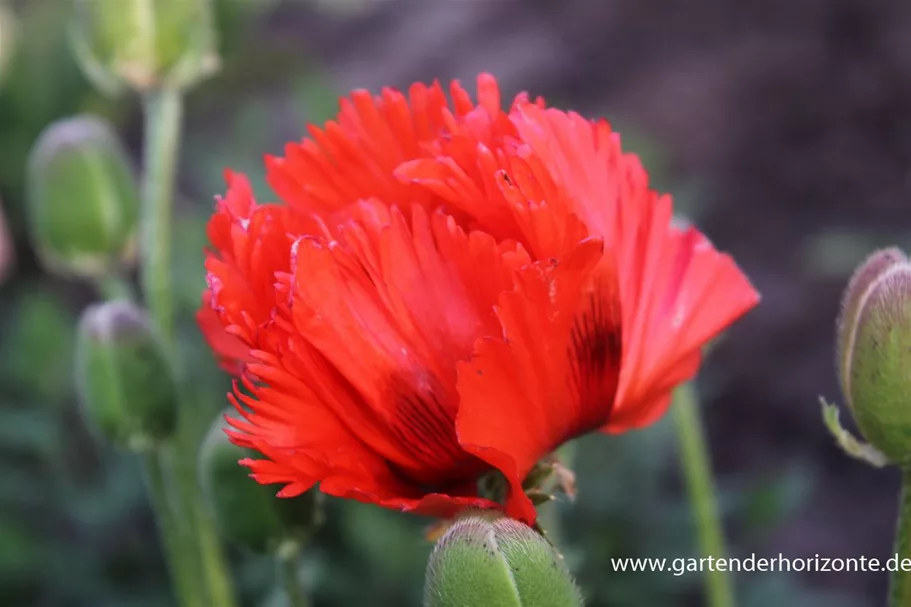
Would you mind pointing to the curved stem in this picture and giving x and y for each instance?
(163, 109)
(185, 584)
(697, 470)
(288, 557)
(900, 584)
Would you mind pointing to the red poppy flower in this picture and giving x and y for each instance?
(450, 291)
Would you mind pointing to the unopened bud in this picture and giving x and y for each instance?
(124, 381)
(864, 276)
(246, 512)
(144, 44)
(83, 203)
(874, 352)
(497, 561)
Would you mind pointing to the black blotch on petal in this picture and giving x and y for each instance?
(595, 354)
(423, 423)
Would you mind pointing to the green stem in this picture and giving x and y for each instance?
(697, 470)
(215, 567)
(900, 592)
(185, 585)
(163, 110)
(288, 557)
(114, 286)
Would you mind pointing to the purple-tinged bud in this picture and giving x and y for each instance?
(123, 378)
(874, 352)
(864, 276)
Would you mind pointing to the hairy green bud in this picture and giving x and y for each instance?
(858, 287)
(124, 381)
(497, 562)
(83, 202)
(874, 352)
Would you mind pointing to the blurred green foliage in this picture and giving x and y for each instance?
(75, 529)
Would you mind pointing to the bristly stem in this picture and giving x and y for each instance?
(697, 470)
(288, 557)
(900, 584)
(163, 109)
(186, 586)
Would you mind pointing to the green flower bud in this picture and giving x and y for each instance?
(497, 562)
(874, 352)
(124, 381)
(247, 513)
(868, 271)
(144, 44)
(83, 203)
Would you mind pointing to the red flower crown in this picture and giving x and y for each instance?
(450, 291)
